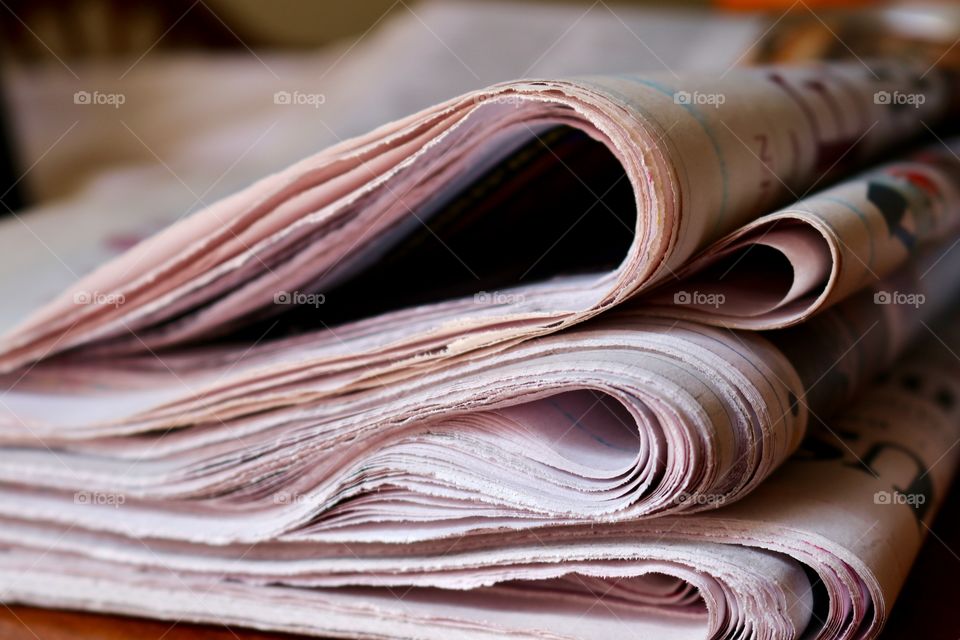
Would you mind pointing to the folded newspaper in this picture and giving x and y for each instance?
(611, 356)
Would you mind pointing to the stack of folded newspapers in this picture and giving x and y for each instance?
(608, 357)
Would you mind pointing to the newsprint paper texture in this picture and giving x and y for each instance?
(613, 356)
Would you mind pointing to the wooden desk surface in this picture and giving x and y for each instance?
(928, 607)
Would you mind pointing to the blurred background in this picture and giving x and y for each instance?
(118, 118)
(191, 84)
